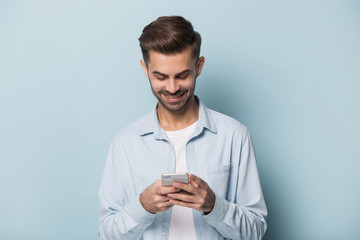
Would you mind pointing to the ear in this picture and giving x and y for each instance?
(199, 65)
(144, 67)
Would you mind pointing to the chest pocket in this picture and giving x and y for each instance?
(218, 179)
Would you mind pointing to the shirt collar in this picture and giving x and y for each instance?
(150, 123)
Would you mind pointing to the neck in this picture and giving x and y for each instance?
(172, 121)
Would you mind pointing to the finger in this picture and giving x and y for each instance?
(166, 190)
(185, 197)
(183, 204)
(185, 187)
(166, 204)
(160, 199)
(198, 180)
(163, 206)
(165, 199)
(193, 183)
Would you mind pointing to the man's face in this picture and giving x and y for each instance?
(172, 77)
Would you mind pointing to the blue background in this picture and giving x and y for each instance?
(71, 78)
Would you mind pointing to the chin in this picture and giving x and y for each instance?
(173, 108)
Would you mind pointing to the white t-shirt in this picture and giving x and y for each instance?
(182, 221)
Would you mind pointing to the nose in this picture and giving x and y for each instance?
(172, 86)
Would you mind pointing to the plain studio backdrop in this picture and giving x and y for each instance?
(70, 78)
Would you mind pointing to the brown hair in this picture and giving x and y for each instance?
(169, 35)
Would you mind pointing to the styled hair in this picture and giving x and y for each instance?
(169, 35)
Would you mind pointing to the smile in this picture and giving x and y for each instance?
(173, 99)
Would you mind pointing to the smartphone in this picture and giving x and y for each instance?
(167, 179)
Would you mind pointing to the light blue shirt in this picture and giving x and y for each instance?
(220, 152)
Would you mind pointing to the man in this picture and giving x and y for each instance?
(223, 199)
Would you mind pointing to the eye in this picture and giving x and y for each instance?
(160, 77)
(182, 77)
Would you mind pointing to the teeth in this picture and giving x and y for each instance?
(172, 97)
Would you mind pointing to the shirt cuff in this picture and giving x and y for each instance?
(138, 212)
(219, 211)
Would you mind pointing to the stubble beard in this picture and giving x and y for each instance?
(177, 106)
(180, 92)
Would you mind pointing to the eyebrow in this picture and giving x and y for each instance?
(176, 75)
(159, 73)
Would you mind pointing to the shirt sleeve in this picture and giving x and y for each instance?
(245, 216)
(119, 217)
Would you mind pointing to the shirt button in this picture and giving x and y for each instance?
(163, 233)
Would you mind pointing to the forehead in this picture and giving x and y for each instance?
(171, 63)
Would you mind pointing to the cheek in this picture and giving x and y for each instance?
(189, 84)
(156, 86)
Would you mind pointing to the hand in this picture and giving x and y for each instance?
(197, 195)
(154, 198)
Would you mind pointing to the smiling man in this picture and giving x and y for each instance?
(172, 79)
(223, 197)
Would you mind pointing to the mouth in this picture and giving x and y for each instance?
(174, 98)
